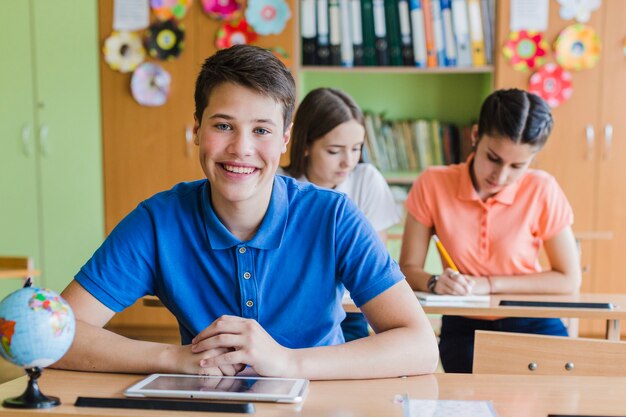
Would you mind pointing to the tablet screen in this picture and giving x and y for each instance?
(220, 387)
(221, 384)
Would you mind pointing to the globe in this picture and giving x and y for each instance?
(37, 327)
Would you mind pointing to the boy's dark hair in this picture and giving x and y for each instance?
(248, 66)
(519, 115)
(321, 111)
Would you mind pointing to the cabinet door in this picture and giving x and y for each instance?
(68, 115)
(19, 219)
(611, 198)
(146, 149)
(568, 154)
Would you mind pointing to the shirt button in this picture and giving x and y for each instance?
(246, 275)
(249, 303)
(242, 250)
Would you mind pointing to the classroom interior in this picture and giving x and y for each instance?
(78, 151)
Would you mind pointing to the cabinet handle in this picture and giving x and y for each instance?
(27, 142)
(608, 140)
(188, 140)
(43, 140)
(591, 137)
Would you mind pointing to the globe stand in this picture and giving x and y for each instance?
(32, 397)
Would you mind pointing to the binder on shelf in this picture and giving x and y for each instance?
(438, 32)
(308, 31)
(347, 51)
(476, 33)
(487, 12)
(448, 34)
(392, 24)
(429, 35)
(418, 35)
(460, 22)
(334, 20)
(436, 143)
(380, 31)
(323, 39)
(357, 32)
(369, 38)
(405, 33)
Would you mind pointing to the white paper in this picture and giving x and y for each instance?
(131, 14)
(529, 15)
(448, 408)
(430, 299)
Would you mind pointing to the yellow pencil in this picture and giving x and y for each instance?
(444, 253)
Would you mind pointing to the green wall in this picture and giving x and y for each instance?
(449, 97)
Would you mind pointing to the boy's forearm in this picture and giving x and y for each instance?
(396, 352)
(99, 350)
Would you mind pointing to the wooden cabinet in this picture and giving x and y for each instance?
(586, 160)
(51, 202)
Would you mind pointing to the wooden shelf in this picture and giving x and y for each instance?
(400, 177)
(401, 70)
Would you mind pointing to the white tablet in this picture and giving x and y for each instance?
(243, 388)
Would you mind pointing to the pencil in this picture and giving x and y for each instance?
(444, 253)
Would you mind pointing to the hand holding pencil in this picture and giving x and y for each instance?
(451, 281)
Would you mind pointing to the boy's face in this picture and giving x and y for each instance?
(240, 137)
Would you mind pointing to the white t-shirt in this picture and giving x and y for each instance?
(371, 194)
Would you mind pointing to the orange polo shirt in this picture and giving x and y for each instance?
(500, 236)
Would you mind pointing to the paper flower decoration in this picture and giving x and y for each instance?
(123, 51)
(525, 50)
(150, 85)
(170, 9)
(232, 33)
(268, 17)
(164, 40)
(578, 9)
(221, 9)
(577, 47)
(552, 83)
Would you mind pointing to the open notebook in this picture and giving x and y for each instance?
(430, 299)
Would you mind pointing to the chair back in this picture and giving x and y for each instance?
(519, 353)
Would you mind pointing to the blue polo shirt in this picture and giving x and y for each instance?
(289, 277)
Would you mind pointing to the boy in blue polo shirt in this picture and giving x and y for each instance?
(251, 264)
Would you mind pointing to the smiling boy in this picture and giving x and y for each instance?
(251, 264)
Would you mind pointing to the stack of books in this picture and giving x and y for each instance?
(419, 33)
(413, 145)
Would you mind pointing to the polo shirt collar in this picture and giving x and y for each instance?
(467, 192)
(271, 231)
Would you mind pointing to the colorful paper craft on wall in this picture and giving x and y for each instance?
(552, 83)
(268, 17)
(164, 40)
(578, 9)
(221, 9)
(150, 85)
(525, 50)
(123, 51)
(232, 33)
(577, 47)
(170, 9)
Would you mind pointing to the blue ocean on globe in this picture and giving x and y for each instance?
(37, 327)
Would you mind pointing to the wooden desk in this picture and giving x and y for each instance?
(612, 317)
(18, 273)
(512, 396)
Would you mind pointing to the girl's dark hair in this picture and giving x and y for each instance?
(321, 111)
(248, 66)
(519, 115)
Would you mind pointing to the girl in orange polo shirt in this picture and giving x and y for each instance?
(492, 213)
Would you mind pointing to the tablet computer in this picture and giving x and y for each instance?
(237, 388)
